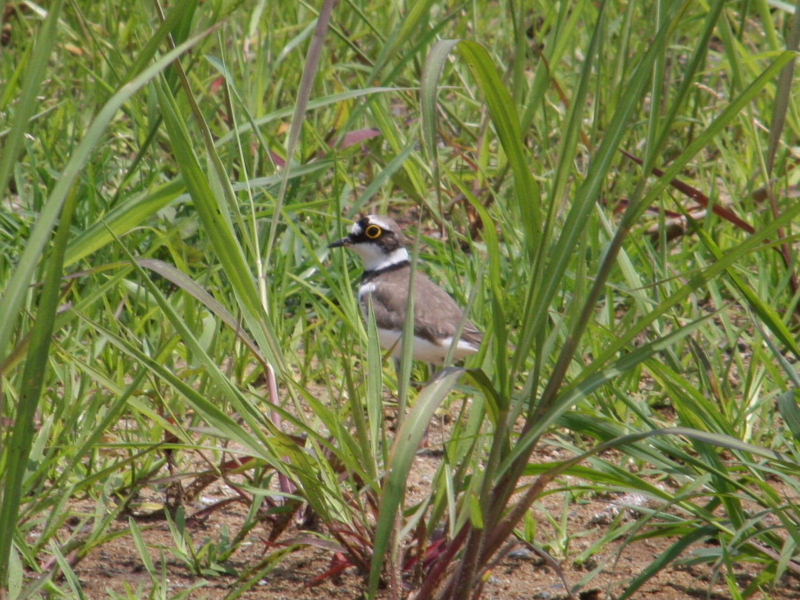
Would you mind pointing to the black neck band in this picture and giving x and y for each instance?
(369, 275)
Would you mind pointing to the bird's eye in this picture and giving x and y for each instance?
(373, 232)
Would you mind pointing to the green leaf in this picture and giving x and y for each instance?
(17, 287)
(404, 449)
(33, 379)
(790, 411)
(28, 102)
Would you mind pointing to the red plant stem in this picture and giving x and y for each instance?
(700, 197)
(442, 563)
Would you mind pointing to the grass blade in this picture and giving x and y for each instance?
(15, 290)
(33, 378)
(404, 450)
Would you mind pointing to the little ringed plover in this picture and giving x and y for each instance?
(384, 289)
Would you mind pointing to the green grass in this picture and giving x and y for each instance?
(169, 186)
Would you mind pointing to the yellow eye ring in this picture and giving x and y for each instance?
(373, 232)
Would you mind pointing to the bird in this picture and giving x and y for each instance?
(384, 290)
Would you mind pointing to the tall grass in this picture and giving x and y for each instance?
(167, 293)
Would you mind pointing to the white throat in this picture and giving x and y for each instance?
(375, 258)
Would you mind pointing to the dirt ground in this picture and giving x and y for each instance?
(116, 570)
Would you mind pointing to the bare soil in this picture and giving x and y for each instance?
(116, 569)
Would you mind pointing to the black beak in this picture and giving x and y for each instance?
(342, 242)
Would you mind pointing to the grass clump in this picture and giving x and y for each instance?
(609, 188)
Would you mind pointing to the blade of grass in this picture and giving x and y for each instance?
(14, 293)
(310, 69)
(33, 379)
(665, 558)
(28, 103)
(784, 92)
(401, 458)
(215, 216)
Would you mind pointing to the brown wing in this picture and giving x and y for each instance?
(437, 314)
